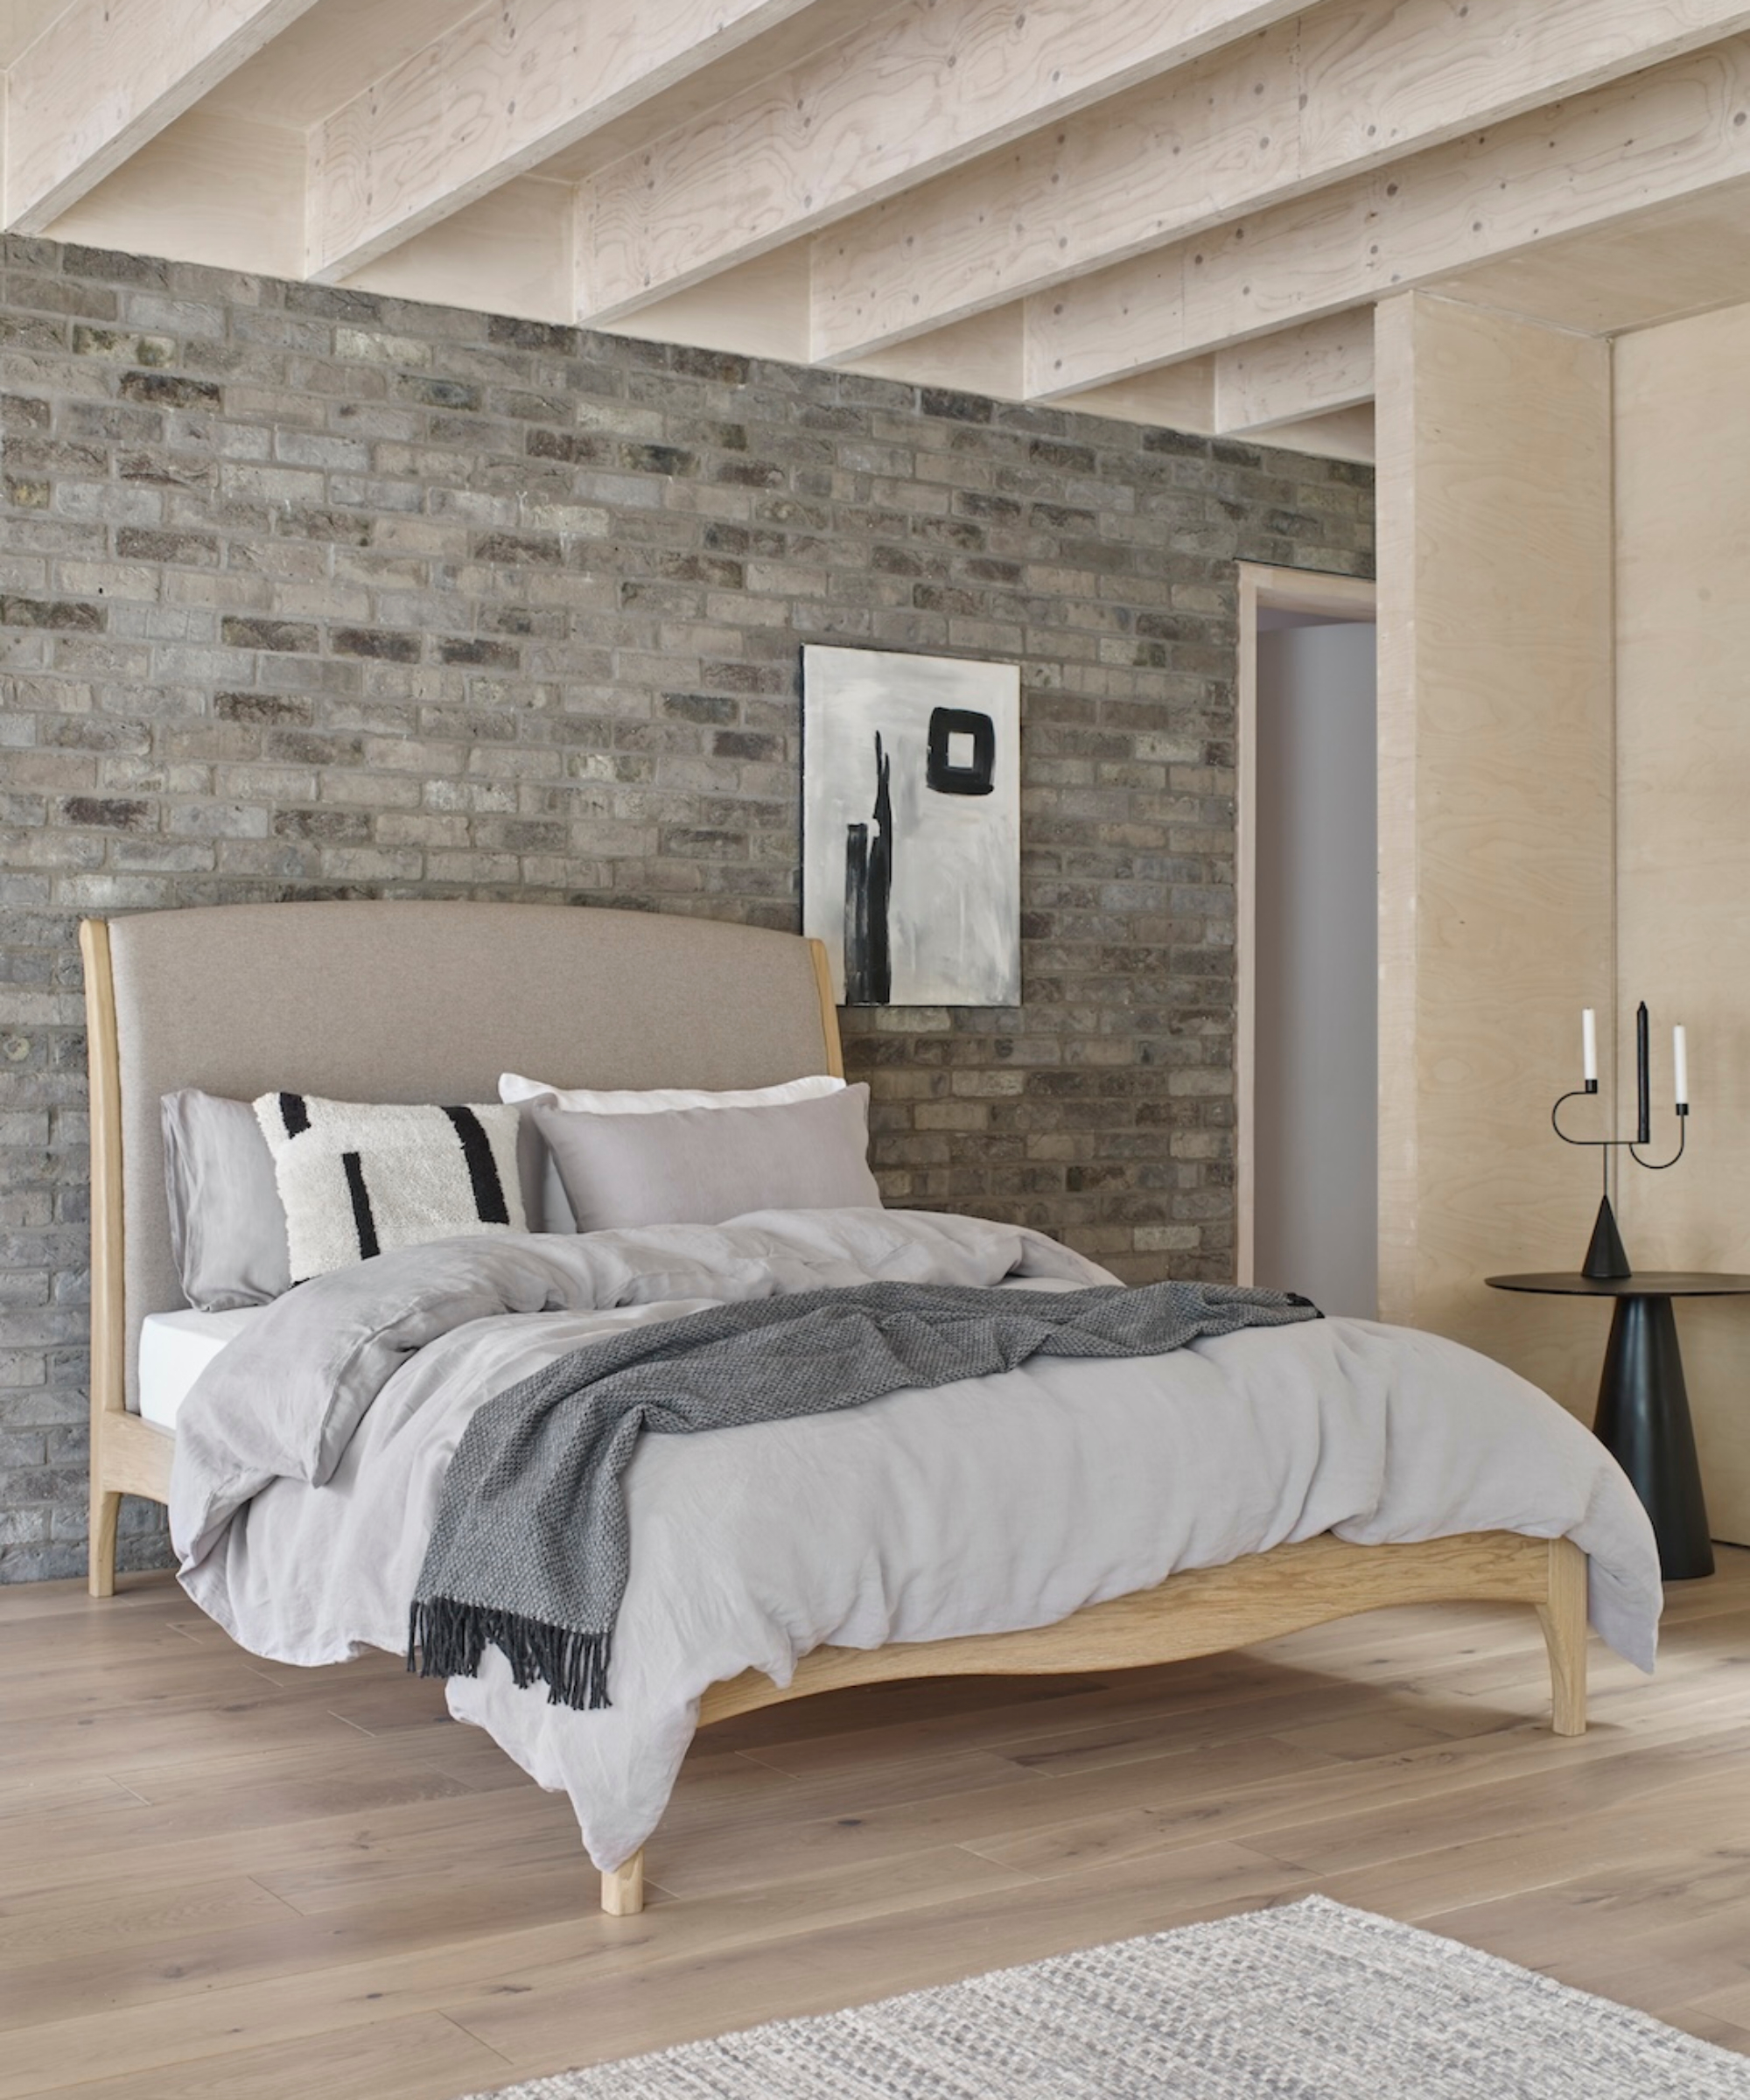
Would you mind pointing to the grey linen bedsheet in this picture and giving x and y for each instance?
(312, 1454)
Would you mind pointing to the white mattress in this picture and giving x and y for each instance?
(175, 1348)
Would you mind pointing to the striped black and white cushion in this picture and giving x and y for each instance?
(359, 1179)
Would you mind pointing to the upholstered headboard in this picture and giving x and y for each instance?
(378, 1001)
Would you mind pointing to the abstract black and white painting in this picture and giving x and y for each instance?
(912, 826)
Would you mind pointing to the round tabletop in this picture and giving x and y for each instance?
(1645, 1283)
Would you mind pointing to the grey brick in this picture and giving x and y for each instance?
(59, 613)
(298, 635)
(165, 389)
(391, 645)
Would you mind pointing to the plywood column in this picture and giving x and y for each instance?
(1495, 817)
(1683, 869)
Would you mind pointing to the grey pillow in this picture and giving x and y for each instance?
(228, 1230)
(698, 1166)
(226, 1222)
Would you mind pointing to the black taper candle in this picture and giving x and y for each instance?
(1643, 1089)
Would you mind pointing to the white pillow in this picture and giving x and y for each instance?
(359, 1179)
(556, 1213)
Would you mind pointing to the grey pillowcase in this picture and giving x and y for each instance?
(226, 1222)
(228, 1231)
(699, 1166)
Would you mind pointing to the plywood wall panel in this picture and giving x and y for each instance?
(1682, 447)
(1495, 818)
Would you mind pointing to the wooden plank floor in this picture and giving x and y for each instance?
(223, 1878)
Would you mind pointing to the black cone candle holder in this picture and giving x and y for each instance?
(1606, 1256)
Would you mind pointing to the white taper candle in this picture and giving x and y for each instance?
(1589, 1042)
(1680, 1065)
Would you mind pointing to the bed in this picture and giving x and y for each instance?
(423, 1002)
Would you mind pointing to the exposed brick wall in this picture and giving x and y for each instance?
(307, 594)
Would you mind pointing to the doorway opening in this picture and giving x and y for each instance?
(1307, 939)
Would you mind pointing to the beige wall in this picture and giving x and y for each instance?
(1683, 623)
(1564, 810)
(1495, 816)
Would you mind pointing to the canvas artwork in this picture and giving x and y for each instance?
(912, 826)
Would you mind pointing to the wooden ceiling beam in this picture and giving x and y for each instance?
(1312, 370)
(499, 93)
(109, 75)
(918, 89)
(1679, 131)
(1299, 380)
(1330, 95)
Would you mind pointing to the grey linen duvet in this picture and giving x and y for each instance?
(312, 1454)
(530, 1549)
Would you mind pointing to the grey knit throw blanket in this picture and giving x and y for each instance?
(530, 1549)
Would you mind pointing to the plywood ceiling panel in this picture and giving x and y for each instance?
(339, 47)
(23, 21)
(1661, 264)
(1184, 212)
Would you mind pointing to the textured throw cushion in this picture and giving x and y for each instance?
(227, 1223)
(698, 1166)
(358, 1180)
(555, 1213)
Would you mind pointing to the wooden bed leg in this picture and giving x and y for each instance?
(623, 1889)
(1563, 1620)
(106, 1510)
(109, 1325)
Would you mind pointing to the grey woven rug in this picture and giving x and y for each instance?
(1313, 2001)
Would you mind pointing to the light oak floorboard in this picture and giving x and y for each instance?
(224, 1877)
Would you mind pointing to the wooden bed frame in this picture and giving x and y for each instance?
(1199, 1613)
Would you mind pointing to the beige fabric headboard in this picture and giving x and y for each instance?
(379, 1001)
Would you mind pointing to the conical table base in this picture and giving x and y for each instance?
(1643, 1421)
(1643, 1403)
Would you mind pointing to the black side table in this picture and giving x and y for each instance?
(1643, 1405)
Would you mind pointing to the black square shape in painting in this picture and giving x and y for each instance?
(962, 751)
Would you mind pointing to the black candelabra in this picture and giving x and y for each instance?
(1606, 1256)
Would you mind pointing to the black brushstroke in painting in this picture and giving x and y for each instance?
(857, 914)
(868, 892)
